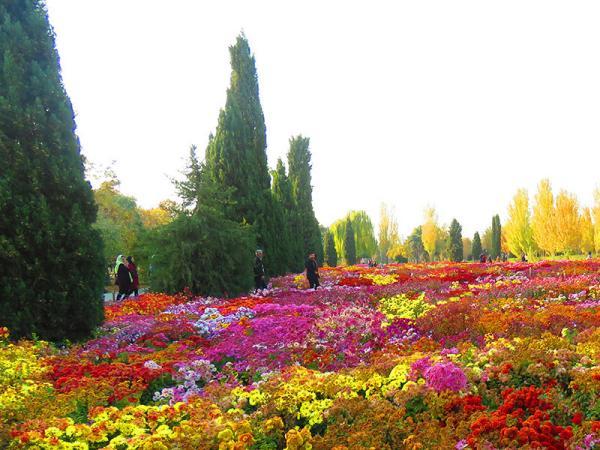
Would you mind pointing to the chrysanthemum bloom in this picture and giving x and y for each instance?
(445, 377)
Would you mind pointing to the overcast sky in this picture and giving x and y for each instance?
(450, 104)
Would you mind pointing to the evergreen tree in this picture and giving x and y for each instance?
(330, 256)
(414, 246)
(349, 244)
(202, 249)
(477, 248)
(290, 229)
(236, 157)
(299, 174)
(51, 265)
(455, 243)
(496, 237)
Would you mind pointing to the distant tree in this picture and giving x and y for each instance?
(364, 236)
(486, 240)
(496, 237)
(330, 256)
(467, 248)
(455, 243)
(349, 244)
(518, 230)
(414, 249)
(476, 249)
(386, 224)
(568, 233)
(430, 232)
(290, 233)
(543, 220)
(596, 215)
(51, 264)
(586, 230)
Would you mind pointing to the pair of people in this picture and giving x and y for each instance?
(311, 266)
(126, 277)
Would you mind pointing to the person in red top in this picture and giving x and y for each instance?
(135, 284)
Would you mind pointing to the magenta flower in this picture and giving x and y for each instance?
(445, 377)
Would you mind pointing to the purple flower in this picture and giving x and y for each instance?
(445, 377)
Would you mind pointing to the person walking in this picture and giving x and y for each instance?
(259, 272)
(122, 278)
(312, 271)
(135, 280)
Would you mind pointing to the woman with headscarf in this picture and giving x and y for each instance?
(123, 278)
(135, 283)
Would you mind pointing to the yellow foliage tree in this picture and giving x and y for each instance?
(517, 229)
(596, 213)
(429, 235)
(586, 228)
(389, 239)
(567, 225)
(543, 220)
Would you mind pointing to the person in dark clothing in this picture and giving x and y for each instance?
(523, 257)
(123, 278)
(312, 271)
(135, 283)
(482, 258)
(259, 272)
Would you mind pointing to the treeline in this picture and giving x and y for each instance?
(230, 204)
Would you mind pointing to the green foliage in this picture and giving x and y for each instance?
(51, 268)
(496, 237)
(330, 257)
(236, 157)
(202, 249)
(300, 178)
(455, 243)
(477, 248)
(414, 246)
(349, 244)
(364, 235)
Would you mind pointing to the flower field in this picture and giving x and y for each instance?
(440, 356)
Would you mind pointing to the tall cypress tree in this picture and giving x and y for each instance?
(330, 256)
(236, 157)
(51, 265)
(290, 230)
(476, 248)
(350, 244)
(496, 236)
(299, 173)
(455, 244)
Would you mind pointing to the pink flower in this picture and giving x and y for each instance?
(445, 377)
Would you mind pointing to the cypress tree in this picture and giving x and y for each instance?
(496, 236)
(455, 244)
(350, 244)
(299, 173)
(51, 265)
(330, 256)
(476, 248)
(236, 157)
(290, 228)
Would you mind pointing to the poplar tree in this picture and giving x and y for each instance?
(476, 249)
(51, 264)
(236, 157)
(496, 236)
(300, 178)
(349, 244)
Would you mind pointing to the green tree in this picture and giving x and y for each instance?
(236, 157)
(415, 251)
(299, 164)
(51, 267)
(364, 235)
(496, 237)
(455, 243)
(330, 256)
(477, 249)
(202, 249)
(290, 233)
(349, 244)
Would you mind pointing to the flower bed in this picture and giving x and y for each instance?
(409, 356)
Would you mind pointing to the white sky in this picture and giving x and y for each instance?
(451, 104)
